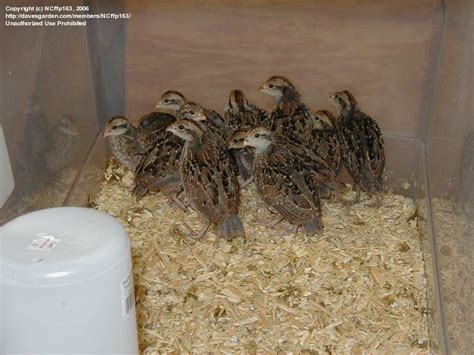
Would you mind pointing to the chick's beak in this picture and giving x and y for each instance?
(106, 133)
(246, 143)
(169, 129)
(158, 104)
(262, 88)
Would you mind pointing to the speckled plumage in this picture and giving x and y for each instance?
(209, 183)
(156, 121)
(36, 131)
(324, 142)
(127, 142)
(290, 116)
(242, 116)
(158, 169)
(64, 144)
(171, 101)
(244, 157)
(362, 144)
(285, 181)
(49, 146)
(212, 121)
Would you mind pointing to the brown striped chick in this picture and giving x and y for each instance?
(285, 181)
(209, 183)
(362, 145)
(324, 142)
(195, 112)
(290, 116)
(171, 101)
(65, 140)
(127, 142)
(158, 170)
(244, 157)
(241, 116)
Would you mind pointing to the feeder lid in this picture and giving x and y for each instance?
(58, 246)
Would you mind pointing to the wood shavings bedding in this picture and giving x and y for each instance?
(455, 257)
(358, 286)
(51, 194)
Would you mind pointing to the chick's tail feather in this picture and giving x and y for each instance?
(231, 227)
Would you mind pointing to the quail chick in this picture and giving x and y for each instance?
(290, 116)
(323, 148)
(163, 115)
(128, 143)
(208, 119)
(158, 169)
(240, 116)
(327, 118)
(324, 142)
(65, 141)
(36, 131)
(156, 121)
(362, 145)
(209, 183)
(197, 113)
(44, 154)
(243, 156)
(171, 101)
(284, 181)
(30, 160)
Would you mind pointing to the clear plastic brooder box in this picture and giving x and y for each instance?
(409, 63)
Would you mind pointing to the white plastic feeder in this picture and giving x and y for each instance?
(66, 284)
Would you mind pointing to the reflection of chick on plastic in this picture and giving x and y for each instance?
(48, 147)
(63, 145)
(36, 131)
(29, 162)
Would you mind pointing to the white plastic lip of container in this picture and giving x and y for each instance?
(7, 184)
(66, 284)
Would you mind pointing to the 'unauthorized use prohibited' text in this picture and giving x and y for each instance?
(56, 16)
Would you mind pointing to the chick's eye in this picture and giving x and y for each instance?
(192, 112)
(167, 100)
(181, 127)
(271, 86)
(114, 127)
(257, 135)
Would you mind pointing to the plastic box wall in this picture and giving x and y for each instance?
(408, 62)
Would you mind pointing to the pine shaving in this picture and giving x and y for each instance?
(358, 286)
